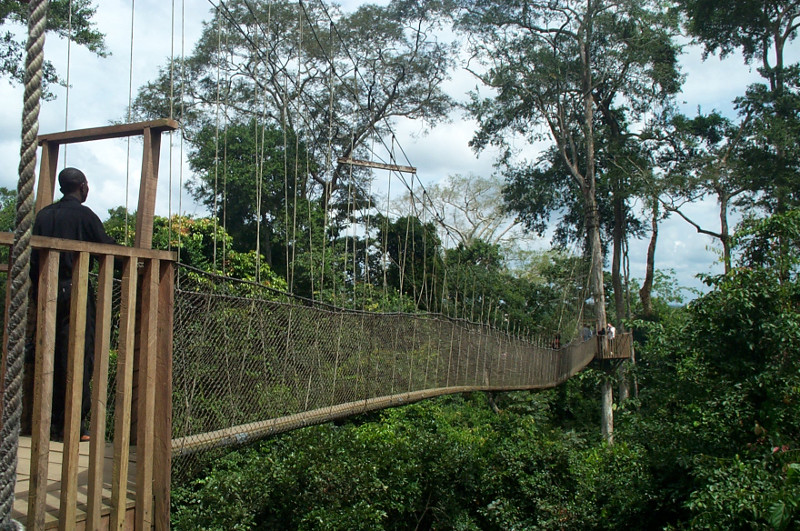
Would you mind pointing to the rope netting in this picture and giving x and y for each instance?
(249, 363)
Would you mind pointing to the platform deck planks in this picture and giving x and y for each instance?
(54, 489)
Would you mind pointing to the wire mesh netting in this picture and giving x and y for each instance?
(248, 362)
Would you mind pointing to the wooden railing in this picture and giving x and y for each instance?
(143, 388)
(621, 347)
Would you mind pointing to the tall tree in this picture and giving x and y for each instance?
(249, 176)
(761, 30)
(469, 208)
(69, 19)
(336, 79)
(706, 159)
(553, 63)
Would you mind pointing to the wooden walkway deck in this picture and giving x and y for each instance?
(54, 477)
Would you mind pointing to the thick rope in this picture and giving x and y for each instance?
(21, 258)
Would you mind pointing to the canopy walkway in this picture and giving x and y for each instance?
(243, 363)
(185, 362)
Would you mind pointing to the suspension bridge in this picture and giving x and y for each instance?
(187, 361)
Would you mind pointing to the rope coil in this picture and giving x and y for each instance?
(20, 269)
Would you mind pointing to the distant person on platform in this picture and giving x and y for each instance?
(71, 220)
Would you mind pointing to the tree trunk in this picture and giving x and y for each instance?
(616, 260)
(607, 413)
(624, 381)
(647, 286)
(724, 236)
(593, 216)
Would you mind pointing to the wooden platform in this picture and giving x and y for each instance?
(54, 483)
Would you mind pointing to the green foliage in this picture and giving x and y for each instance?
(201, 243)
(721, 391)
(736, 494)
(444, 464)
(748, 25)
(247, 174)
(83, 32)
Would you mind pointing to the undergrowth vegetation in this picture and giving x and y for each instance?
(711, 441)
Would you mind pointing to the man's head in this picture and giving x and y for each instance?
(73, 182)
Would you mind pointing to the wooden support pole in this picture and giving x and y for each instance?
(74, 392)
(122, 407)
(102, 340)
(163, 435)
(46, 187)
(43, 386)
(147, 189)
(146, 396)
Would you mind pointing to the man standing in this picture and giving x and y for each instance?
(70, 219)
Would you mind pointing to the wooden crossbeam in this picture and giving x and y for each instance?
(109, 131)
(377, 165)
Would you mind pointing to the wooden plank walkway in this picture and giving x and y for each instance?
(54, 483)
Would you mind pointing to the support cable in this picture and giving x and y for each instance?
(130, 111)
(69, 63)
(171, 116)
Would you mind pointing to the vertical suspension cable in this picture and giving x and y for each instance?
(183, 124)
(69, 64)
(294, 210)
(310, 225)
(171, 116)
(327, 192)
(385, 244)
(366, 233)
(349, 212)
(216, 141)
(350, 216)
(284, 119)
(225, 160)
(130, 111)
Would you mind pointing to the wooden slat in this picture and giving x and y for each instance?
(146, 397)
(74, 392)
(621, 347)
(147, 190)
(122, 408)
(102, 340)
(110, 131)
(163, 435)
(376, 165)
(58, 244)
(43, 390)
(46, 186)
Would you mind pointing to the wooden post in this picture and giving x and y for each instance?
(46, 187)
(122, 408)
(43, 386)
(147, 189)
(74, 391)
(102, 341)
(163, 435)
(146, 397)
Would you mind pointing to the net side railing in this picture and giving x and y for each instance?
(246, 367)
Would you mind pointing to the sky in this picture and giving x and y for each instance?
(100, 88)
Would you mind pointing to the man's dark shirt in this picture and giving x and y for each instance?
(71, 220)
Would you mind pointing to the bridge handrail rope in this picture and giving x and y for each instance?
(274, 368)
